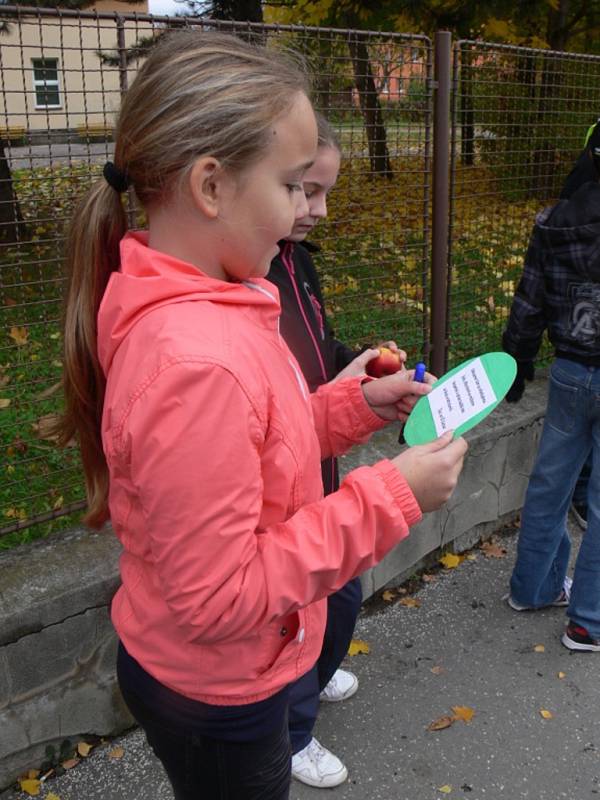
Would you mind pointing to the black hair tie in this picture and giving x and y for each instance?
(115, 178)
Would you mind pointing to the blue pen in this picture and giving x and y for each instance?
(419, 372)
(419, 375)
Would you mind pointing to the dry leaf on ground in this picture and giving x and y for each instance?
(451, 560)
(52, 796)
(388, 595)
(492, 550)
(19, 335)
(116, 752)
(49, 391)
(44, 427)
(83, 748)
(410, 602)
(358, 646)
(441, 723)
(70, 763)
(437, 670)
(4, 402)
(463, 712)
(539, 648)
(546, 714)
(562, 675)
(30, 786)
(426, 577)
(446, 788)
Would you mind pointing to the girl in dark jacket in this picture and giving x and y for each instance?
(322, 357)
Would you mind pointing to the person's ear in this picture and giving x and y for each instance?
(205, 184)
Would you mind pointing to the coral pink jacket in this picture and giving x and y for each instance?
(214, 447)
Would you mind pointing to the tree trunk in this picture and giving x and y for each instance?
(370, 106)
(11, 220)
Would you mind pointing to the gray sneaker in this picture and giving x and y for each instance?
(561, 601)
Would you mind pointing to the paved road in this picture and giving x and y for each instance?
(41, 155)
(486, 659)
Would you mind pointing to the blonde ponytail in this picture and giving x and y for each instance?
(98, 225)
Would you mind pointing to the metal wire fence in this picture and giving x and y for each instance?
(62, 75)
(427, 224)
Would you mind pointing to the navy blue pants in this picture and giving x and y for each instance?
(342, 611)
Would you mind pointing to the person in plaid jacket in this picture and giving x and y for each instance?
(559, 292)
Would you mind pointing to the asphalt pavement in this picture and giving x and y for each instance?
(459, 647)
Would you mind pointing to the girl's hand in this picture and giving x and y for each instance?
(391, 345)
(358, 367)
(393, 396)
(432, 470)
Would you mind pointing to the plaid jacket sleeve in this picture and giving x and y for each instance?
(527, 320)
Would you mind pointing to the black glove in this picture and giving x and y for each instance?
(525, 372)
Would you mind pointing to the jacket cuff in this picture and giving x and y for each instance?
(400, 490)
(366, 416)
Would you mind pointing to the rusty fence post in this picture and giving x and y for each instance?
(440, 201)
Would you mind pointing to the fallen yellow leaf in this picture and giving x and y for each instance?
(539, 648)
(446, 788)
(31, 786)
(562, 675)
(389, 595)
(463, 712)
(19, 335)
(546, 714)
(358, 646)
(410, 602)
(437, 670)
(450, 560)
(33, 773)
(52, 796)
(83, 748)
(116, 752)
(471, 557)
(441, 723)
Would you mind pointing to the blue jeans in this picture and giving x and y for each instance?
(342, 610)
(571, 432)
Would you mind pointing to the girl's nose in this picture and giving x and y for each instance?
(319, 209)
(301, 205)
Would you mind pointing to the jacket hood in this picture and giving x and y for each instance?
(575, 222)
(148, 279)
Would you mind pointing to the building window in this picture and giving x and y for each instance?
(45, 82)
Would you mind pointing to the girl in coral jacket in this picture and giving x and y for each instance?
(199, 437)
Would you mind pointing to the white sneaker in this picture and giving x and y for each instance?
(316, 766)
(342, 685)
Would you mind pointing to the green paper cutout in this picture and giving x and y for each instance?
(500, 369)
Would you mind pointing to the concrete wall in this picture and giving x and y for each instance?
(57, 647)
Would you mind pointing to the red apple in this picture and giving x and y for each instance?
(386, 363)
